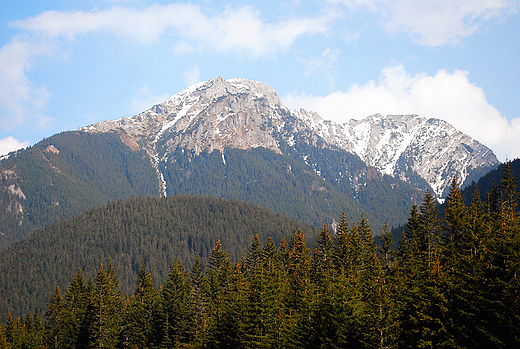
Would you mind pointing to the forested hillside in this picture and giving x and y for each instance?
(310, 184)
(450, 282)
(153, 230)
(71, 172)
(490, 182)
(65, 175)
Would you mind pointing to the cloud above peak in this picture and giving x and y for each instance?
(434, 22)
(184, 26)
(239, 28)
(449, 96)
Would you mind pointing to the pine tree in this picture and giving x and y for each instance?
(53, 320)
(139, 313)
(176, 308)
(105, 309)
(342, 245)
(254, 298)
(74, 310)
(200, 303)
(277, 324)
(457, 241)
(323, 259)
(430, 225)
(254, 256)
(299, 268)
(508, 193)
(422, 305)
(500, 292)
(455, 226)
(300, 292)
(385, 251)
(220, 273)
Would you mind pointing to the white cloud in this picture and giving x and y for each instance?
(20, 101)
(434, 22)
(447, 96)
(192, 75)
(44, 34)
(9, 144)
(144, 99)
(255, 37)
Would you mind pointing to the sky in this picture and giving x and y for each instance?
(65, 64)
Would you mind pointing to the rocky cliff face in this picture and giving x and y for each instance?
(407, 146)
(244, 114)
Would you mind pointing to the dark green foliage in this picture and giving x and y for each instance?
(290, 185)
(488, 180)
(140, 313)
(157, 230)
(105, 309)
(74, 171)
(66, 174)
(73, 328)
(176, 308)
(452, 282)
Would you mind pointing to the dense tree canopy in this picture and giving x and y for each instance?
(451, 281)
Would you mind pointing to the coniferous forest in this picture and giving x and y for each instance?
(451, 281)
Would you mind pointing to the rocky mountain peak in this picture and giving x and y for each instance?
(244, 114)
(411, 147)
(209, 115)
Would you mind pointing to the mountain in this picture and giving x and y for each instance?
(66, 174)
(421, 151)
(492, 178)
(236, 139)
(155, 230)
(244, 114)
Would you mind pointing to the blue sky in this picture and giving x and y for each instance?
(66, 64)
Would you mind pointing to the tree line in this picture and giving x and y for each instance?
(451, 281)
(152, 230)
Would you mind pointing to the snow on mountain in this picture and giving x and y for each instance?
(407, 145)
(244, 114)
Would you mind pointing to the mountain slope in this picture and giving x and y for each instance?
(66, 174)
(492, 178)
(156, 230)
(244, 114)
(217, 138)
(415, 149)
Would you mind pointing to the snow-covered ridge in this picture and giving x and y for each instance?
(245, 114)
(408, 145)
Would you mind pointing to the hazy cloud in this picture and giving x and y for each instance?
(20, 101)
(256, 37)
(325, 61)
(192, 75)
(434, 22)
(144, 99)
(447, 96)
(10, 144)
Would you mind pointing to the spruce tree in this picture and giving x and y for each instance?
(341, 245)
(139, 313)
(176, 308)
(105, 309)
(74, 310)
(220, 273)
(422, 305)
(323, 259)
(53, 320)
(199, 296)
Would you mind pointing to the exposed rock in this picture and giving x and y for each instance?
(246, 114)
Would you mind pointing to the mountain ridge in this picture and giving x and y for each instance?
(231, 139)
(407, 147)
